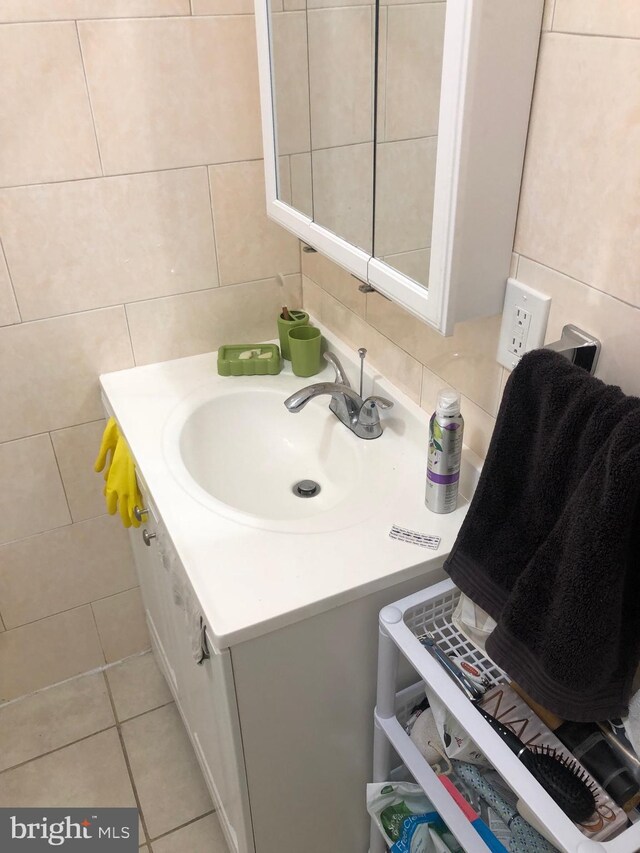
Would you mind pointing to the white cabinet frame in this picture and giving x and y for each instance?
(489, 62)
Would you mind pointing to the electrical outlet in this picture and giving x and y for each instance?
(524, 322)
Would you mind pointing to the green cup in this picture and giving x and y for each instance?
(305, 345)
(300, 318)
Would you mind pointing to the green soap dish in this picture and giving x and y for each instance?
(248, 360)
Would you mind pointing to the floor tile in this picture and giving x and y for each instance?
(165, 770)
(203, 836)
(137, 685)
(121, 625)
(53, 718)
(89, 773)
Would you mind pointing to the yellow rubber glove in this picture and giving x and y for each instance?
(132, 496)
(121, 489)
(110, 438)
(117, 483)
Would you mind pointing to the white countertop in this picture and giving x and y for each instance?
(250, 581)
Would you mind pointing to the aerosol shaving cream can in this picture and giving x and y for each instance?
(446, 429)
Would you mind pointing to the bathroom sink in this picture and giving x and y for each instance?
(242, 454)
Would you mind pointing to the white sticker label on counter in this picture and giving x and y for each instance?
(414, 538)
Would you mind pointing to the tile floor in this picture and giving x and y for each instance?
(112, 738)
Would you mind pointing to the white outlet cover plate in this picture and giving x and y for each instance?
(519, 295)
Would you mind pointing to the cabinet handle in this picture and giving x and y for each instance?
(205, 654)
(138, 512)
(147, 537)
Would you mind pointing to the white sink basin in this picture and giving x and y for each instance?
(241, 453)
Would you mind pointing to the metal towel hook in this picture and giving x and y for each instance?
(579, 347)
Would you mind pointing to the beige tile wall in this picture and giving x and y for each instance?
(578, 229)
(132, 229)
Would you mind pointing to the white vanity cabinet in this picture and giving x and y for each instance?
(280, 713)
(280, 724)
(204, 692)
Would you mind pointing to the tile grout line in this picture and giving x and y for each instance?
(129, 336)
(133, 173)
(57, 749)
(95, 625)
(62, 19)
(13, 287)
(183, 825)
(75, 606)
(213, 229)
(64, 489)
(148, 711)
(47, 431)
(288, 156)
(215, 287)
(591, 35)
(49, 529)
(71, 678)
(86, 86)
(575, 280)
(116, 724)
(125, 755)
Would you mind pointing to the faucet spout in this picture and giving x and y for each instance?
(360, 416)
(297, 401)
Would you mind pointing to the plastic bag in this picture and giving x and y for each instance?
(390, 803)
(425, 834)
(457, 743)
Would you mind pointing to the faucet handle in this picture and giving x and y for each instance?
(369, 417)
(380, 402)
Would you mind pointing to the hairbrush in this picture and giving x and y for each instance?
(563, 778)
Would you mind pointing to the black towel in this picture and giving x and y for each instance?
(550, 546)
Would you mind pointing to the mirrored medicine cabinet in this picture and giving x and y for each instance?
(394, 136)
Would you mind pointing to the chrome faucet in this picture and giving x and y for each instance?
(361, 416)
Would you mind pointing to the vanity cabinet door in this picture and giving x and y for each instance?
(217, 740)
(207, 700)
(205, 692)
(156, 597)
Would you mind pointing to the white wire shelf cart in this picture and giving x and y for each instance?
(399, 626)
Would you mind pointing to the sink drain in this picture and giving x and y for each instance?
(306, 489)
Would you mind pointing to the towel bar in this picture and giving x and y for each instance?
(579, 347)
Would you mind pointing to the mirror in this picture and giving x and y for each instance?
(323, 58)
(421, 202)
(292, 120)
(410, 47)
